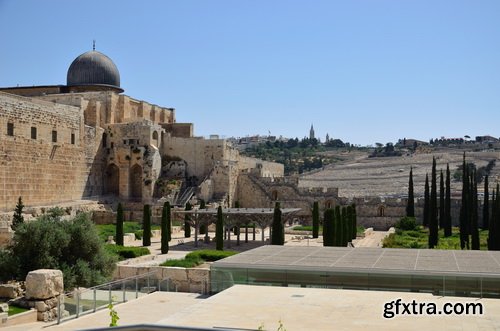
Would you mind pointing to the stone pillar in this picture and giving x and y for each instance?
(43, 287)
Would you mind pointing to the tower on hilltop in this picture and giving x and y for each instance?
(311, 132)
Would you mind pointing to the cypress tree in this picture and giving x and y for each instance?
(119, 225)
(442, 212)
(344, 227)
(486, 205)
(433, 221)
(328, 223)
(354, 222)
(219, 230)
(278, 235)
(18, 217)
(315, 220)
(165, 227)
(494, 229)
(447, 204)
(464, 234)
(203, 227)
(410, 207)
(146, 226)
(338, 227)
(475, 245)
(491, 225)
(187, 226)
(426, 202)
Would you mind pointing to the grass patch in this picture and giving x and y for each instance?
(419, 238)
(359, 229)
(196, 258)
(13, 310)
(303, 228)
(107, 230)
(127, 252)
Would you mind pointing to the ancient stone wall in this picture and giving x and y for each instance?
(265, 168)
(106, 107)
(42, 157)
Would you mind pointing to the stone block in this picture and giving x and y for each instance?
(4, 308)
(128, 238)
(10, 291)
(198, 275)
(175, 274)
(44, 284)
(41, 306)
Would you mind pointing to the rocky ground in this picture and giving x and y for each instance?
(388, 176)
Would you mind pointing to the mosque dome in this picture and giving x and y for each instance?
(93, 68)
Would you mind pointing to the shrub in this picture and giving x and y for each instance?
(183, 263)
(210, 255)
(127, 252)
(73, 246)
(196, 258)
(406, 224)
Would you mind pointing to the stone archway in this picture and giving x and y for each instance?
(112, 180)
(135, 182)
(155, 139)
(381, 211)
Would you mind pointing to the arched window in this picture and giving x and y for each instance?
(275, 195)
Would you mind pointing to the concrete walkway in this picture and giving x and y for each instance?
(373, 239)
(148, 309)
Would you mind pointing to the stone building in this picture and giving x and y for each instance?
(86, 139)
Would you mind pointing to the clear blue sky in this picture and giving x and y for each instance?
(364, 71)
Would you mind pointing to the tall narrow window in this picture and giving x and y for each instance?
(54, 136)
(10, 129)
(33, 132)
(72, 138)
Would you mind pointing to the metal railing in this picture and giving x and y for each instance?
(80, 302)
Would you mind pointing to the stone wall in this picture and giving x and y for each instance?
(193, 280)
(109, 107)
(38, 169)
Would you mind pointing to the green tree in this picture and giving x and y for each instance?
(187, 218)
(486, 205)
(72, 246)
(18, 217)
(475, 245)
(337, 228)
(442, 211)
(447, 204)
(354, 222)
(165, 227)
(219, 230)
(465, 207)
(119, 225)
(410, 206)
(203, 227)
(315, 220)
(426, 202)
(433, 217)
(278, 234)
(146, 226)
(328, 224)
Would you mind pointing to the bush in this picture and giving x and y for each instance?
(407, 224)
(107, 230)
(183, 263)
(127, 252)
(72, 246)
(210, 255)
(196, 258)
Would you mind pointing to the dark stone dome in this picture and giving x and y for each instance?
(93, 68)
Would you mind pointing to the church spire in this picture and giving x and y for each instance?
(311, 132)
